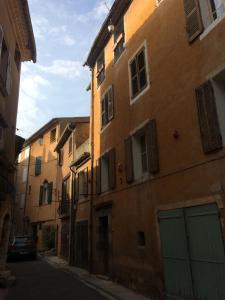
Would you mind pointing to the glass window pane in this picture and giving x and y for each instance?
(133, 68)
(142, 79)
(134, 86)
(141, 60)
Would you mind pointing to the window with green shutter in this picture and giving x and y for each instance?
(38, 165)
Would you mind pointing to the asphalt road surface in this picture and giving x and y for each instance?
(37, 280)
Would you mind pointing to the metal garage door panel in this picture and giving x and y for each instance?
(175, 255)
(206, 252)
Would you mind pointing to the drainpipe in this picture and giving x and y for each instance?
(92, 176)
(72, 210)
(26, 189)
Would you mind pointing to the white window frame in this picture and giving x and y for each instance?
(213, 23)
(159, 2)
(139, 95)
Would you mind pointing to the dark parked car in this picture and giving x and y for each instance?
(22, 247)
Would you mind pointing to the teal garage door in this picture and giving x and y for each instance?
(193, 253)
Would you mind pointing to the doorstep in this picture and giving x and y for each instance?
(100, 283)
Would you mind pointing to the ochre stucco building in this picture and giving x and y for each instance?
(72, 146)
(16, 45)
(38, 175)
(157, 146)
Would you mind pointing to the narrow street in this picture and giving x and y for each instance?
(37, 280)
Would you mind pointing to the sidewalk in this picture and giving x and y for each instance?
(111, 289)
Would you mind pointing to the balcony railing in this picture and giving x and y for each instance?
(64, 208)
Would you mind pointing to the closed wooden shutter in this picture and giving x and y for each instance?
(38, 166)
(41, 195)
(111, 103)
(112, 168)
(50, 189)
(193, 19)
(98, 176)
(152, 147)
(208, 119)
(129, 160)
(1, 39)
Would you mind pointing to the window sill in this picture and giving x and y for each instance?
(143, 178)
(211, 27)
(133, 100)
(104, 128)
(115, 61)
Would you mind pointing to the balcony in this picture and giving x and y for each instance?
(64, 209)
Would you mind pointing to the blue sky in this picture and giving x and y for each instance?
(56, 85)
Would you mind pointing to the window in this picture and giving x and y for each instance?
(141, 152)
(70, 146)
(1, 138)
(106, 172)
(66, 189)
(107, 107)
(5, 66)
(40, 141)
(119, 39)
(45, 195)
(17, 58)
(61, 157)
(83, 183)
(100, 68)
(24, 175)
(38, 165)
(211, 10)
(201, 14)
(159, 1)
(53, 135)
(138, 73)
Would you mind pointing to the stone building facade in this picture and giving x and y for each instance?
(16, 45)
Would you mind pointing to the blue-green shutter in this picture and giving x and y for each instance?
(38, 166)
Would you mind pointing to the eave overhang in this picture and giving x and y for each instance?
(21, 21)
(65, 135)
(116, 12)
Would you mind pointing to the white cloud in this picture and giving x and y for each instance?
(31, 86)
(31, 93)
(40, 25)
(68, 40)
(66, 68)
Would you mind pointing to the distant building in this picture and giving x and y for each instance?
(16, 45)
(158, 136)
(37, 183)
(74, 168)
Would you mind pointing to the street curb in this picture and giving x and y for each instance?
(100, 289)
